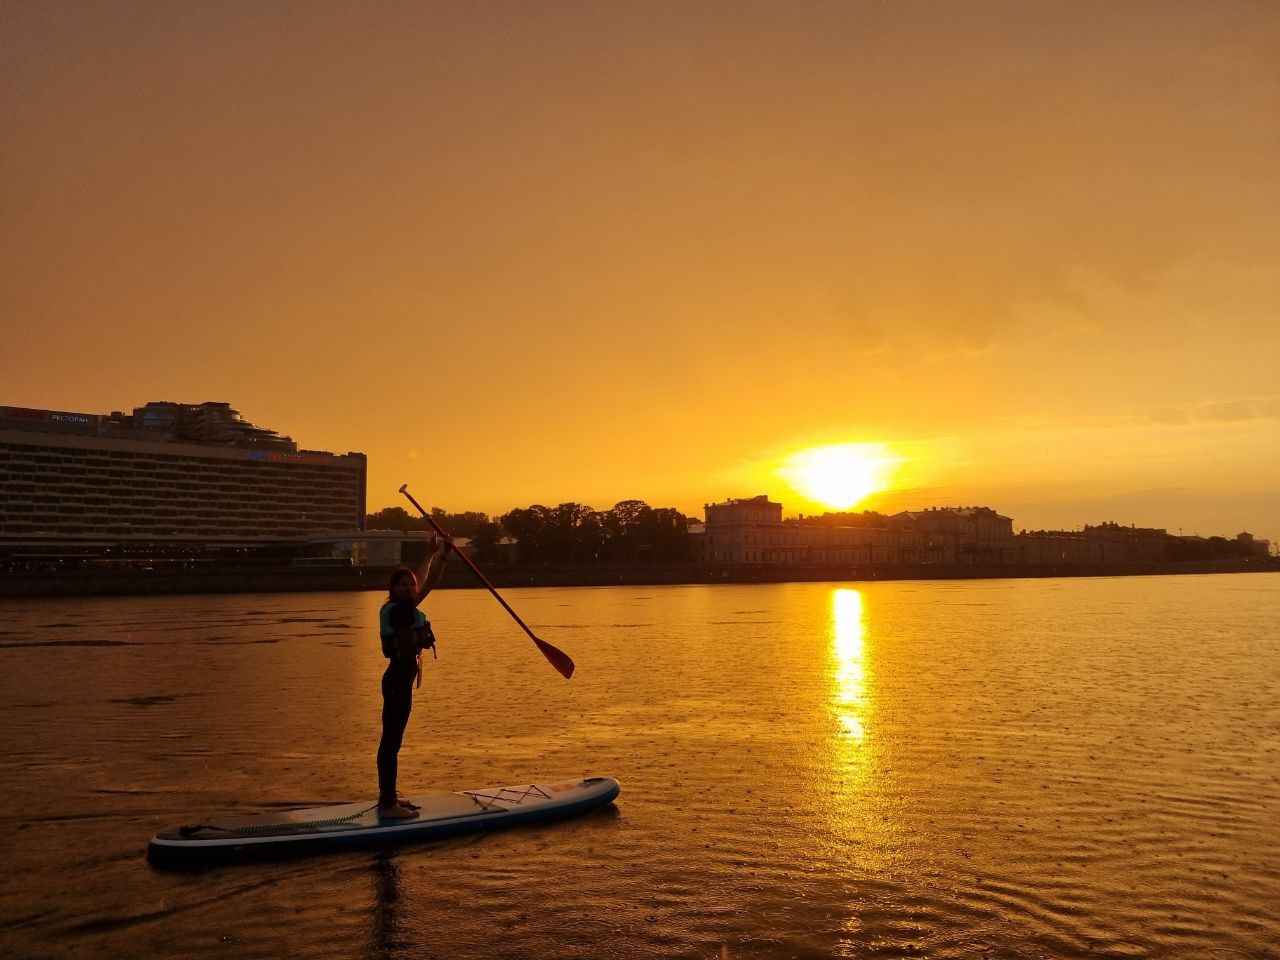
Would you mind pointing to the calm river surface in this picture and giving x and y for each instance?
(1016, 768)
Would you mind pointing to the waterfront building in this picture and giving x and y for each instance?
(1114, 542)
(1097, 544)
(953, 535)
(1253, 546)
(168, 473)
(752, 531)
(970, 525)
(738, 529)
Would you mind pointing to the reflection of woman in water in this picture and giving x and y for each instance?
(386, 933)
(405, 634)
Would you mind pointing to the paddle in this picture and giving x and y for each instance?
(555, 656)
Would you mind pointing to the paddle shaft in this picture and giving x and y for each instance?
(558, 658)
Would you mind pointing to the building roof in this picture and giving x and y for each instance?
(952, 511)
(212, 423)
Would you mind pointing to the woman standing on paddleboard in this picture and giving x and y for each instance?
(405, 634)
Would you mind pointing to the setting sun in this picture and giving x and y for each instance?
(842, 475)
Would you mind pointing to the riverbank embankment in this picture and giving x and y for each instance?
(294, 579)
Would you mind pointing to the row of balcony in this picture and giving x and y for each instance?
(118, 488)
(52, 496)
(94, 493)
(115, 491)
(205, 510)
(10, 529)
(173, 464)
(205, 466)
(188, 475)
(36, 449)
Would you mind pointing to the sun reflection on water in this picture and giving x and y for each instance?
(861, 825)
(850, 673)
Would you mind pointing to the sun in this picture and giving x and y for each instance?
(842, 475)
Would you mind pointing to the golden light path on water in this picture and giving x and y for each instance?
(863, 830)
(850, 672)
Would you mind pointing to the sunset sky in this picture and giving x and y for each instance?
(529, 253)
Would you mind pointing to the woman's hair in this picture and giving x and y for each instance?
(397, 575)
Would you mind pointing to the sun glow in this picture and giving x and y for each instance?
(841, 476)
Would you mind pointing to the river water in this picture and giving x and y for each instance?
(1002, 768)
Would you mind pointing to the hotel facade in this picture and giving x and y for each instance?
(167, 473)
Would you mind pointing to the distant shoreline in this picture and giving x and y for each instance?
(291, 580)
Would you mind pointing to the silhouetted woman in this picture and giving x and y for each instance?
(405, 634)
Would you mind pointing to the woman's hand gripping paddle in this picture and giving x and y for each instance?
(555, 656)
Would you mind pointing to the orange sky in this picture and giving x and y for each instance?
(590, 252)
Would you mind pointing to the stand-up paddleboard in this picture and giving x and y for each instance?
(357, 824)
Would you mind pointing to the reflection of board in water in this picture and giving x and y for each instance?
(440, 814)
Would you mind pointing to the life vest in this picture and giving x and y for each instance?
(421, 628)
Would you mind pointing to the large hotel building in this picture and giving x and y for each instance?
(168, 473)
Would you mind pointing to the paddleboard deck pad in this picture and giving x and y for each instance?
(441, 814)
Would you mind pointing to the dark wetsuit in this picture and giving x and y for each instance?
(397, 701)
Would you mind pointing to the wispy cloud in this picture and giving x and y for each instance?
(1219, 411)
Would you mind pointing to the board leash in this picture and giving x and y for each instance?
(190, 830)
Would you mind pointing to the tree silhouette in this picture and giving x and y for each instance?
(632, 532)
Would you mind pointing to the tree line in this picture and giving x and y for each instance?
(630, 531)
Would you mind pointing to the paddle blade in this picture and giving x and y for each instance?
(556, 657)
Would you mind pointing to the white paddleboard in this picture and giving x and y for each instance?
(354, 824)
